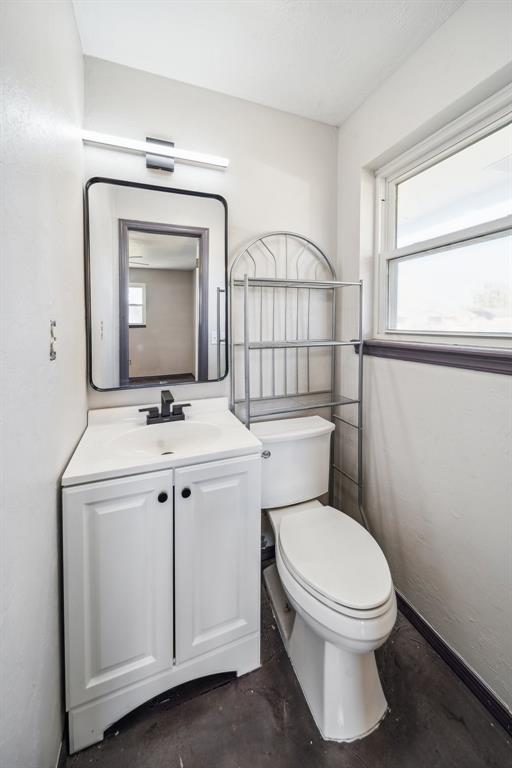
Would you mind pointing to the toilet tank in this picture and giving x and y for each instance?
(296, 459)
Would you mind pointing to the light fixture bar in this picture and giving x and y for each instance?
(146, 147)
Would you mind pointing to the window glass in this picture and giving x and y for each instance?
(135, 294)
(135, 315)
(463, 289)
(136, 304)
(468, 188)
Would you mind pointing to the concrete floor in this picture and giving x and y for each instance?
(262, 719)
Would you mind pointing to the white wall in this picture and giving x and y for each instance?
(42, 402)
(282, 172)
(438, 440)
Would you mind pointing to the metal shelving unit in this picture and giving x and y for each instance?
(272, 290)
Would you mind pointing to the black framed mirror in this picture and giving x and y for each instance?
(156, 280)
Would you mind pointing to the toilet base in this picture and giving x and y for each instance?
(342, 688)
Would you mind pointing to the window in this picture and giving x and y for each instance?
(445, 234)
(137, 304)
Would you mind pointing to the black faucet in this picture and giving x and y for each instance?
(167, 401)
(168, 411)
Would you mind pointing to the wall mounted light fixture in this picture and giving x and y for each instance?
(164, 149)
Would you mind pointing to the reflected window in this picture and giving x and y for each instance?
(137, 305)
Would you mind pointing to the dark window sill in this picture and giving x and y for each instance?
(490, 360)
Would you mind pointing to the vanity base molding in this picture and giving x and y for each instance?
(88, 722)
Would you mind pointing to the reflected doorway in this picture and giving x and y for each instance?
(163, 303)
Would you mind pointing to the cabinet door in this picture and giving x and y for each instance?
(118, 583)
(217, 534)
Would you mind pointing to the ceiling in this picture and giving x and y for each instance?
(319, 59)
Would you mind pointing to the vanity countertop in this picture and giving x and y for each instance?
(117, 441)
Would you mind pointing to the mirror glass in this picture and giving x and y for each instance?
(157, 285)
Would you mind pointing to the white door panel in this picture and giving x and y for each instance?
(217, 529)
(118, 545)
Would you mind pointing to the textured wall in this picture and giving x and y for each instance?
(438, 453)
(42, 402)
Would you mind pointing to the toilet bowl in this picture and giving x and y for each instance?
(330, 589)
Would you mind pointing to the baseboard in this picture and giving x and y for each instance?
(61, 757)
(478, 688)
(63, 750)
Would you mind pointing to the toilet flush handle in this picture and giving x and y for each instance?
(266, 455)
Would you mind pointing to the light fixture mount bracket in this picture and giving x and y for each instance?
(159, 162)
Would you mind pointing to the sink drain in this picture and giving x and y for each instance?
(166, 453)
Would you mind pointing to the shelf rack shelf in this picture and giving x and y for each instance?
(273, 282)
(268, 407)
(297, 344)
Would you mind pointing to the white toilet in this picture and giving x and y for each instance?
(331, 592)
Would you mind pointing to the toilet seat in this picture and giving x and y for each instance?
(336, 560)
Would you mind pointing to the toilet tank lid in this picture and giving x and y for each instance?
(291, 429)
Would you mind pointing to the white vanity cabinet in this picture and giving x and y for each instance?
(161, 585)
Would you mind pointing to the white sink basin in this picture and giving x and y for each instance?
(167, 438)
(118, 442)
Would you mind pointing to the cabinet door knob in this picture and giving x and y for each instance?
(186, 492)
(162, 497)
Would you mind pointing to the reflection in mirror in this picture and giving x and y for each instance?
(157, 273)
(164, 279)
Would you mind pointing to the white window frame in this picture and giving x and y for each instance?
(492, 114)
(138, 325)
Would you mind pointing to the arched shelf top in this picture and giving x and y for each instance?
(282, 255)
